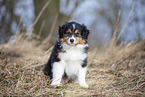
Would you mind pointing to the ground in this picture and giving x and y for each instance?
(113, 71)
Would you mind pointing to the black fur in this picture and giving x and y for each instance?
(53, 58)
(85, 32)
(86, 49)
(84, 63)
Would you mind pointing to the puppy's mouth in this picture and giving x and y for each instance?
(71, 44)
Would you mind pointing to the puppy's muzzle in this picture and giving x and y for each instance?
(72, 40)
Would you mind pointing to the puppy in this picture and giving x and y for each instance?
(69, 55)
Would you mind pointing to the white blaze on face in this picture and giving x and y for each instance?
(74, 26)
(72, 40)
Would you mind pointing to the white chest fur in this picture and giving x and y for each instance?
(73, 58)
(75, 53)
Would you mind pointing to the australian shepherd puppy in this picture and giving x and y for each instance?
(69, 55)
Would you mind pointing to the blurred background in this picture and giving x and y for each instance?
(41, 18)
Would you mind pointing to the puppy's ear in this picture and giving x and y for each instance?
(61, 31)
(85, 32)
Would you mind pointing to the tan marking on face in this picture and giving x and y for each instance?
(76, 31)
(64, 39)
(79, 40)
(70, 30)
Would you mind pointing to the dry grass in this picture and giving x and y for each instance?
(127, 65)
(115, 71)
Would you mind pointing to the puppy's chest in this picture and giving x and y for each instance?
(72, 54)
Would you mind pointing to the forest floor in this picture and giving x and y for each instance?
(115, 71)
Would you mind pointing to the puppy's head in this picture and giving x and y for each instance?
(73, 33)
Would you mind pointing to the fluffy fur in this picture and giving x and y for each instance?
(69, 55)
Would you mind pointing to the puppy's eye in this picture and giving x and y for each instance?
(67, 34)
(78, 34)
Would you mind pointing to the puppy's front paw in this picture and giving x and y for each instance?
(55, 83)
(84, 85)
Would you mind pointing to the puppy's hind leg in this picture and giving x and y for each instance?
(47, 69)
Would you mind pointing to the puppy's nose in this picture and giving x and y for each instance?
(71, 40)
